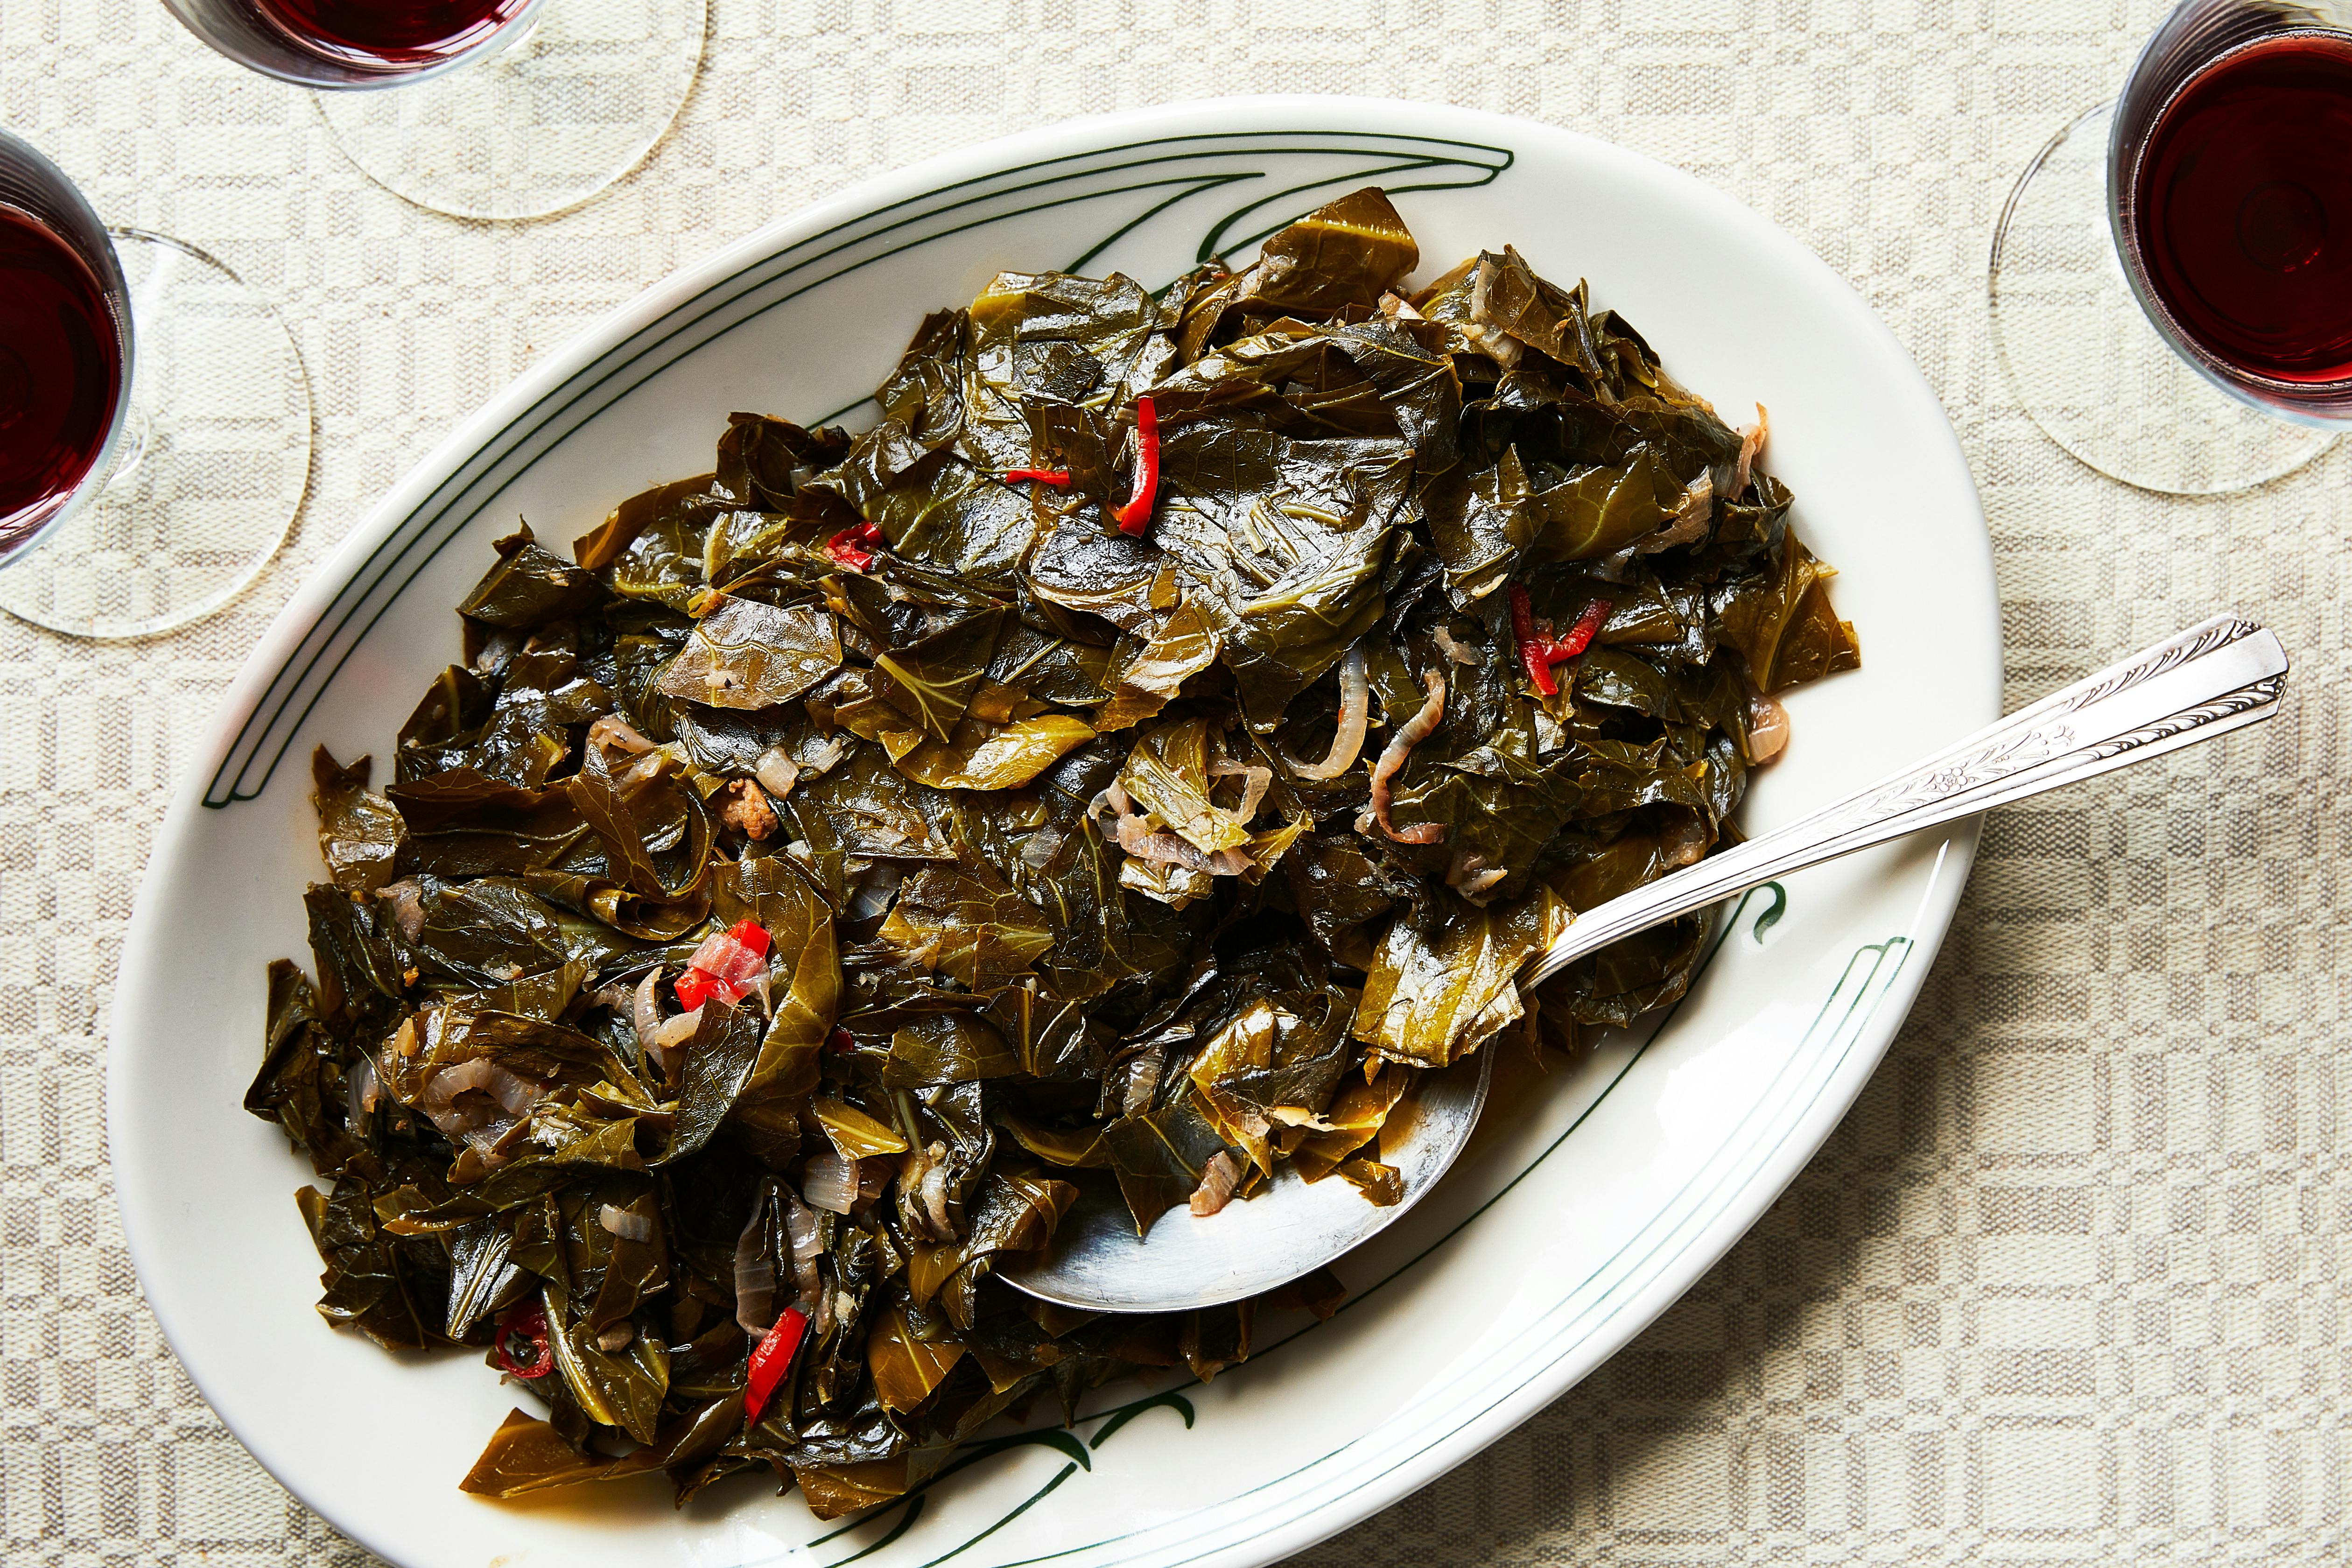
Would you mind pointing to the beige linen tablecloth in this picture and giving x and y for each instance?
(2066, 1285)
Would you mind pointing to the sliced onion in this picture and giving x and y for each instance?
(442, 1089)
(825, 756)
(1041, 848)
(675, 1032)
(1684, 842)
(1256, 779)
(801, 1236)
(876, 890)
(1691, 518)
(1470, 876)
(362, 1092)
(1453, 648)
(517, 1095)
(776, 772)
(931, 1194)
(645, 1009)
(1355, 710)
(407, 901)
(627, 1224)
(642, 771)
(498, 647)
(1218, 1177)
(485, 1139)
(1146, 845)
(1143, 1083)
(1416, 730)
(1484, 334)
(613, 734)
(1768, 728)
(755, 1276)
(1751, 442)
(830, 1182)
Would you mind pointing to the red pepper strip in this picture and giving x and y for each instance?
(1043, 475)
(526, 1320)
(1531, 648)
(1540, 653)
(1136, 515)
(752, 934)
(772, 1361)
(1579, 635)
(842, 1041)
(842, 546)
(694, 989)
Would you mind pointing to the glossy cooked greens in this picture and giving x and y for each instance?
(1084, 856)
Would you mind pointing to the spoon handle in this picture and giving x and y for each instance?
(2204, 682)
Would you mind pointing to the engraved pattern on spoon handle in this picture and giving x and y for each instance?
(2207, 680)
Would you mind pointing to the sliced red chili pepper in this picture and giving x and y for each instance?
(694, 989)
(752, 934)
(771, 1360)
(525, 1321)
(1539, 653)
(842, 546)
(1041, 475)
(1136, 515)
(842, 1041)
(1579, 635)
(1531, 648)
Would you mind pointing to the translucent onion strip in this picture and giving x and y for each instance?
(1355, 710)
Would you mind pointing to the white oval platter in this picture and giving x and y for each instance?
(1558, 1237)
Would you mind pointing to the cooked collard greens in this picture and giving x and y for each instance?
(1154, 744)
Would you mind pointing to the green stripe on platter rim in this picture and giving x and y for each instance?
(641, 352)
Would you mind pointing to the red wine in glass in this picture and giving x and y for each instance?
(2242, 216)
(60, 371)
(390, 35)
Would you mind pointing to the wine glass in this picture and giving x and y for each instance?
(154, 419)
(480, 109)
(2171, 281)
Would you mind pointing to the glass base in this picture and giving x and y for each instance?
(2080, 356)
(542, 122)
(215, 457)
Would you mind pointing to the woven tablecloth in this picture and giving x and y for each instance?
(2066, 1284)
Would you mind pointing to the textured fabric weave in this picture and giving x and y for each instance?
(2064, 1287)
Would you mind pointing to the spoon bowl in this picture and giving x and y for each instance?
(1291, 1227)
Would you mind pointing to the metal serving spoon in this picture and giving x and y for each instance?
(2207, 681)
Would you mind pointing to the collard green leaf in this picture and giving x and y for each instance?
(803, 993)
(745, 654)
(719, 1060)
(1158, 1156)
(1347, 253)
(372, 1283)
(360, 833)
(965, 922)
(1783, 624)
(979, 755)
(528, 587)
(1181, 645)
(1438, 987)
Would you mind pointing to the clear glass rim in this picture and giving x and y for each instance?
(103, 474)
(31, 181)
(2195, 36)
(232, 30)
